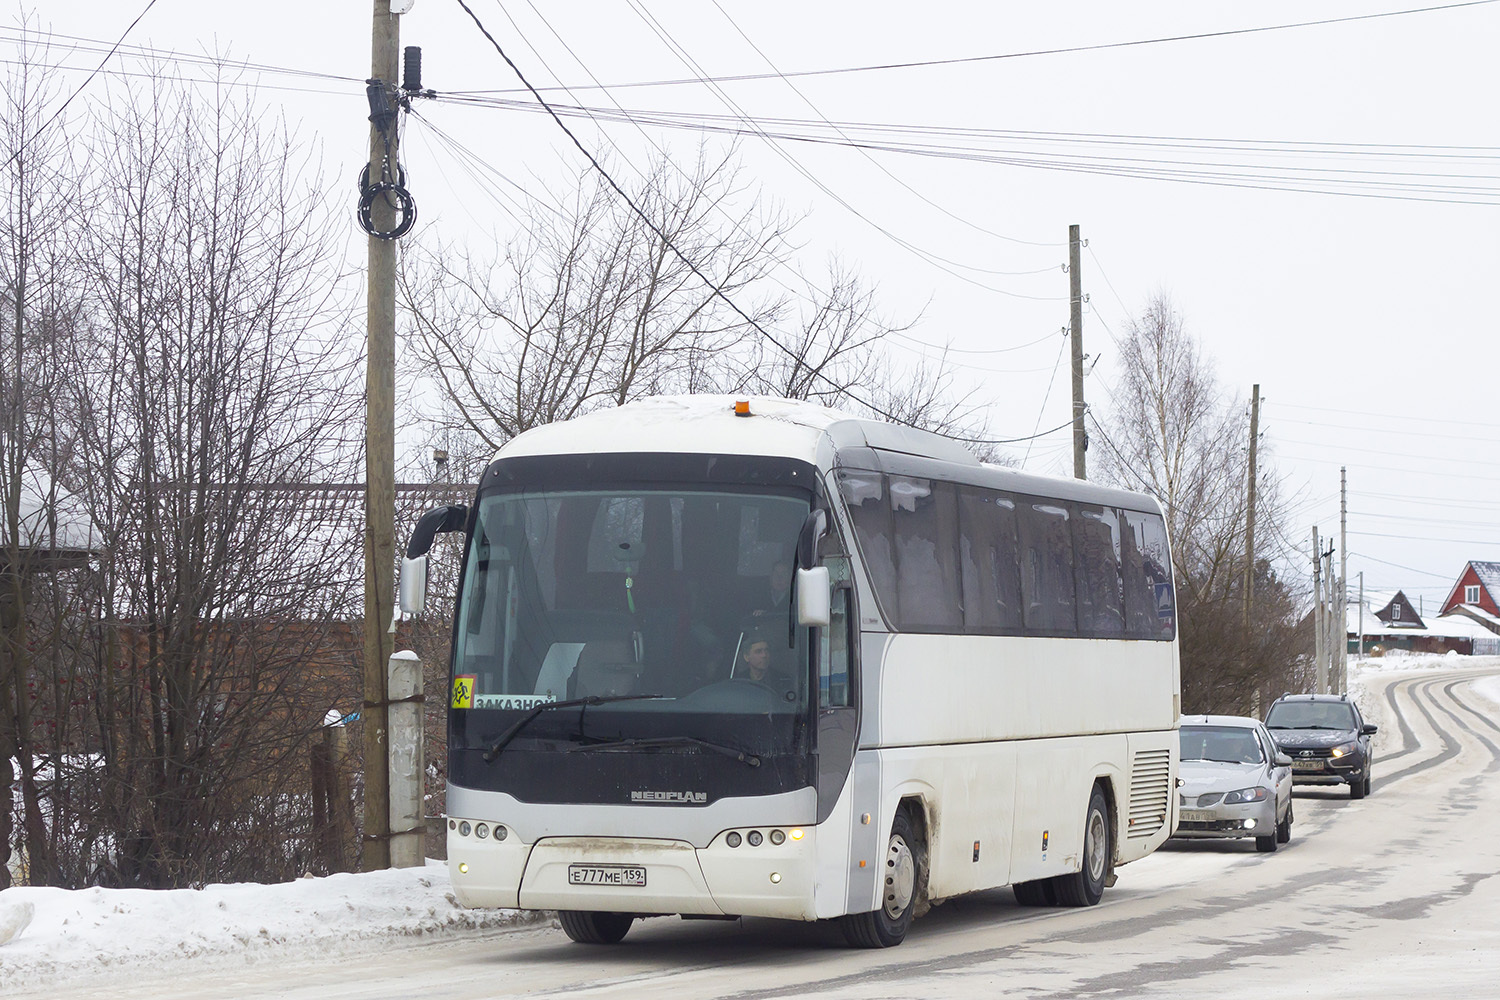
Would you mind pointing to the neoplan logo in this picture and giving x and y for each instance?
(676, 798)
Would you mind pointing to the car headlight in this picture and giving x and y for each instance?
(1344, 749)
(1256, 794)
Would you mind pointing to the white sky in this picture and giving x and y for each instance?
(1367, 322)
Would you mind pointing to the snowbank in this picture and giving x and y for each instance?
(89, 931)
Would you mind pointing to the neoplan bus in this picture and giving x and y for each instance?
(765, 659)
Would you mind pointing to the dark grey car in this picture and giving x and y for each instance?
(1327, 739)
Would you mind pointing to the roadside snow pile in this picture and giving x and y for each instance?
(73, 932)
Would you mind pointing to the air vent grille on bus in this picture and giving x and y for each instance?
(1149, 792)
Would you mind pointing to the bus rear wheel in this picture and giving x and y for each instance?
(594, 926)
(903, 882)
(1085, 887)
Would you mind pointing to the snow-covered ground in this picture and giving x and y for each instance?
(50, 934)
(61, 933)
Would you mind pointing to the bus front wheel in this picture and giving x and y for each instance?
(904, 872)
(1085, 887)
(595, 927)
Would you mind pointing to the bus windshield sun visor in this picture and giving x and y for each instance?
(581, 703)
(672, 741)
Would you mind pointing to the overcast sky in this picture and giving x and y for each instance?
(1368, 322)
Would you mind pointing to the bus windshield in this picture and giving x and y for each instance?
(680, 594)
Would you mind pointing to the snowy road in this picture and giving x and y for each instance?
(1393, 896)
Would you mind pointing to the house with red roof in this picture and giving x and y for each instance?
(1476, 595)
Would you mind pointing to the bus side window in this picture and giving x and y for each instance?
(1150, 604)
(833, 663)
(1096, 551)
(924, 521)
(991, 561)
(1047, 569)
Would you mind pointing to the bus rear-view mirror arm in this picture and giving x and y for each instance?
(412, 591)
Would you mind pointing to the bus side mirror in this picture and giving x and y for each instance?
(411, 592)
(814, 597)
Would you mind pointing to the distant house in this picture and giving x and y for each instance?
(1397, 613)
(1390, 622)
(1476, 595)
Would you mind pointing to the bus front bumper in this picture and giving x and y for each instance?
(645, 876)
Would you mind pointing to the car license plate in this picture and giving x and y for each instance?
(1307, 765)
(626, 875)
(1195, 815)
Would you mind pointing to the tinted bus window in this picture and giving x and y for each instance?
(1047, 586)
(864, 495)
(924, 516)
(1096, 553)
(1151, 607)
(991, 560)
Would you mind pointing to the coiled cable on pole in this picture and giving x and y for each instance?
(391, 190)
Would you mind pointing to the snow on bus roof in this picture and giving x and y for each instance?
(707, 423)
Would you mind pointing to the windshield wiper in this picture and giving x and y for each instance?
(672, 741)
(523, 721)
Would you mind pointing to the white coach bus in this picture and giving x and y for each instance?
(719, 658)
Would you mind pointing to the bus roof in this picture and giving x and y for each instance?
(707, 424)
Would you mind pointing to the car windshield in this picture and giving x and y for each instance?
(1222, 744)
(682, 595)
(1311, 715)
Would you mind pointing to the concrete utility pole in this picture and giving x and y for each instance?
(1361, 614)
(408, 835)
(380, 457)
(1330, 620)
(1075, 328)
(1343, 599)
(1321, 685)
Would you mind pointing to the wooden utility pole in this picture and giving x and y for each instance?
(1319, 634)
(380, 458)
(1250, 517)
(1075, 328)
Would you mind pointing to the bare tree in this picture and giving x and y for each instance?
(39, 312)
(213, 390)
(592, 305)
(1174, 433)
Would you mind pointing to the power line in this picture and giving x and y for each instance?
(753, 129)
(1048, 394)
(718, 291)
(64, 106)
(1337, 182)
(880, 166)
(716, 206)
(882, 67)
(1390, 416)
(1387, 453)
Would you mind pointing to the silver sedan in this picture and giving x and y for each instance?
(1233, 782)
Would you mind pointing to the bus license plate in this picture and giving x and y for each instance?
(626, 875)
(1307, 765)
